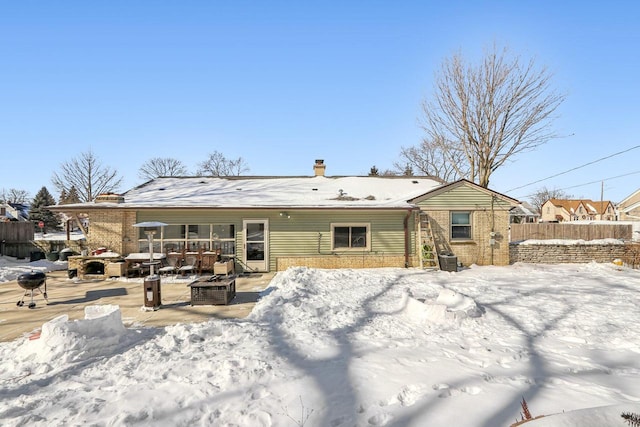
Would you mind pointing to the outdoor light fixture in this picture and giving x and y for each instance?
(285, 215)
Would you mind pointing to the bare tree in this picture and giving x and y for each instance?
(489, 112)
(161, 166)
(14, 195)
(218, 165)
(429, 159)
(539, 198)
(87, 175)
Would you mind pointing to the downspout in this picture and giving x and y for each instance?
(406, 239)
(493, 228)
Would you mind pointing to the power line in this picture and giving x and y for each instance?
(588, 183)
(576, 168)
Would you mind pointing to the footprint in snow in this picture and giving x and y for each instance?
(410, 394)
(446, 391)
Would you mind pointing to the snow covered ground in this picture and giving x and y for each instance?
(383, 347)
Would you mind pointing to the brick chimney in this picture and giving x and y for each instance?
(319, 167)
(109, 198)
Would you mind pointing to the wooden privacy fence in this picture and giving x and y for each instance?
(547, 231)
(16, 239)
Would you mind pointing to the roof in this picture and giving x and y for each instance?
(524, 209)
(446, 187)
(273, 192)
(571, 205)
(629, 197)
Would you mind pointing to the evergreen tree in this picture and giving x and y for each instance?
(63, 197)
(39, 212)
(70, 197)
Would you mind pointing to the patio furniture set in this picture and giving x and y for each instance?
(182, 264)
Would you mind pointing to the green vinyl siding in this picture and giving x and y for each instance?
(304, 233)
(463, 198)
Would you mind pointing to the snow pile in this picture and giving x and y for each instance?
(449, 306)
(572, 242)
(352, 348)
(11, 268)
(61, 341)
(605, 416)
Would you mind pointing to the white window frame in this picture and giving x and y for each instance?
(366, 248)
(189, 240)
(469, 225)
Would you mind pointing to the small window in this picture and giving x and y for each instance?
(350, 237)
(460, 225)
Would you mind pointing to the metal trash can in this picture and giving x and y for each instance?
(36, 256)
(65, 254)
(152, 297)
(448, 261)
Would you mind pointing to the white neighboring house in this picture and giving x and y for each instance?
(629, 208)
(14, 212)
(524, 213)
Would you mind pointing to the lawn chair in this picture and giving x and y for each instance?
(189, 265)
(171, 266)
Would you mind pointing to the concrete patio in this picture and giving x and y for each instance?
(71, 296)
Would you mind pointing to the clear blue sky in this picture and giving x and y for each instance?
(284, 83)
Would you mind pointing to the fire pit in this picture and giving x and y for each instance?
(31, 282)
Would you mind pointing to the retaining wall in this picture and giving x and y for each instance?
(629, 253)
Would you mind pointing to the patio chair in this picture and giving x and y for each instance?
(208, 260)
(171, 265)
(189, 265)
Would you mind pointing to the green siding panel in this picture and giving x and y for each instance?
(463, 197)
(305, 233)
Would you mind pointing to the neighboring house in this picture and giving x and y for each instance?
(14, 212)
(524, 213)
(559, 210)
(629, 208)
(272, 223)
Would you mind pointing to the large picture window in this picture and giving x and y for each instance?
(350, 237)
(460, 225)
(193, 237)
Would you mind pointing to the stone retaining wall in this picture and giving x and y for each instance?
(629, 253)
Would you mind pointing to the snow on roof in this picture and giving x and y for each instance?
(280, 192)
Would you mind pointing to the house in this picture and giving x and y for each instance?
(14, 212)
(272, 223)
(559, 210)
(629, 208)
(524, 213)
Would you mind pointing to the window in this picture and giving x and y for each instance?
(193, 237)
(350, 237)
(224, 238)
(460, 225)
